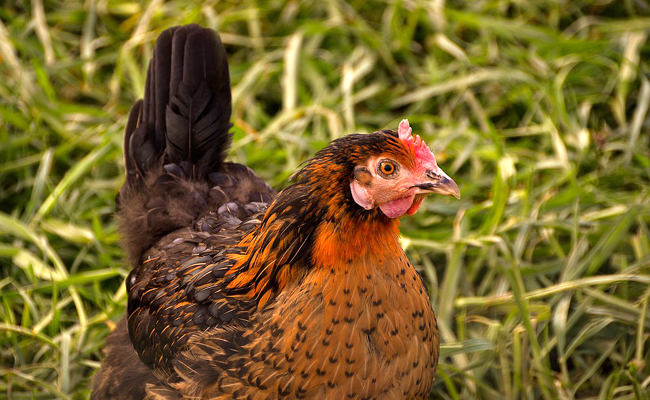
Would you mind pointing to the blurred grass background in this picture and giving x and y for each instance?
(538, 109)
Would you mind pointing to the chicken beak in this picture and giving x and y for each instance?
(440, 183)
(448, 187)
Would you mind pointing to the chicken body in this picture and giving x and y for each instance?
(237, 293)
(347, 329)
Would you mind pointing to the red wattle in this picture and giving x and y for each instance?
(415, 206)
(397, 208)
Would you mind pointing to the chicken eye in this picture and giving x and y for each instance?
(387, 167)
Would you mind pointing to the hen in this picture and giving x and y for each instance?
(237, 293)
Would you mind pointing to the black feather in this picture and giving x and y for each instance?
(185, 115)
(131, 125)
(197, 116)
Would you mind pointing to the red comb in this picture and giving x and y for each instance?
(422, 153)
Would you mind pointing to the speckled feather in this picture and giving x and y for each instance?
(239, 294)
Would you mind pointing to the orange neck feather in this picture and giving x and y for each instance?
(338, 244)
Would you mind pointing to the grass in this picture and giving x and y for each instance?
(540, 275)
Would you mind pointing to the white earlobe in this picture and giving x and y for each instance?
(361, 195)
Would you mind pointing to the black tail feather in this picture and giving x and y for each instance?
(185, 116)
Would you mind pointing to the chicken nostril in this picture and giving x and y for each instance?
(432, 174)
